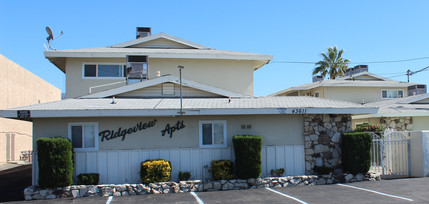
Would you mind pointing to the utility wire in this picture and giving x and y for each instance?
(368, 62)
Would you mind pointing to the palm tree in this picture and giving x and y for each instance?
(332, 63)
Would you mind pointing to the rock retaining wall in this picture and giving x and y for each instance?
(76, 191)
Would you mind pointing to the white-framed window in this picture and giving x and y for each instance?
(213, 133)
(392, 93)
(83, 136)
(317, 94)
(104, 70)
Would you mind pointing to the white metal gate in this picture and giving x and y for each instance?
(390, 155)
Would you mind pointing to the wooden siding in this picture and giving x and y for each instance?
(123, 166)
(156, 91)
(162, 43)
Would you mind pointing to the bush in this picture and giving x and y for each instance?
(54, 156)
(277, 172)
(88, 179)
(152, 171)
(356, 152)
(321, 170)
(248, 160)
(369, 127)
(184, 176)
(222, 169)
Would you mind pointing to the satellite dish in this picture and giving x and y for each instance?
(51, 36)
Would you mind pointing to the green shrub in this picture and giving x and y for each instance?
(321, 170)
(222, 169)
(54, 156)
(369, 127)
(277, 172)
(88, 179)
(184, 176)
(248, 159)
(356, 152)
(152, 171)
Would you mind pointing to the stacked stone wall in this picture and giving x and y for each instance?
(397, 123)
(322, 135)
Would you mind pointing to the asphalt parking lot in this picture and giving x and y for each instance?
(410, 190)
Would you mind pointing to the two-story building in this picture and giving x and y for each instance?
(358, 86)
(160, 96)
(19, 87)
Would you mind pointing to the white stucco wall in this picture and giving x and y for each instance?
(232, 75)
(275, 130)
(419, 153)
(421, 123)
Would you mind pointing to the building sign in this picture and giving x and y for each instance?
(170, 129)
(122, 133)
(292, 110)
(23, 114)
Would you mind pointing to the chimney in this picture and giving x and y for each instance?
(143, 32)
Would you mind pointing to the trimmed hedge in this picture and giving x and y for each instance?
(222, 169)
(356, 152)
(54, 156)
(184, 176)
(248, 159)
(153, 171)
(88, 179)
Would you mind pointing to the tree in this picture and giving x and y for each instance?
(332, 63)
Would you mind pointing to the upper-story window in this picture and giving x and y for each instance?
(392, 93)
(104, 70)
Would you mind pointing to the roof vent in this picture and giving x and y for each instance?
(317, 78)
(143, 32)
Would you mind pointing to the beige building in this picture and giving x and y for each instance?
(403, 114)
(19, 87)
(127, 103)
(359, 87)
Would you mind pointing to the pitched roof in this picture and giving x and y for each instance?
(197, 51)
(158, 36)
(161, 80)
(407, 106)
(346, 82)
(361, 74)
(192, 106)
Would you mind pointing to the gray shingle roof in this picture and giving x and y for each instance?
(193, 106)
(402, 106)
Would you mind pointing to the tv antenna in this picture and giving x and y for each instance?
(51, 37)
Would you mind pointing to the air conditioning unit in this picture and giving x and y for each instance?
(317, 78)
(137, 67)
(143, 32)
(417, 89)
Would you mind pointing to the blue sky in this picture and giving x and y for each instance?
(368, 31)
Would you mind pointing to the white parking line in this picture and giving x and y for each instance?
(109, 200)
(380, 193)
(285, 195)
(197, 198)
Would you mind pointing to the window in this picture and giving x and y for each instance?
(317, 94)
(392, 93)
(104, 70)
(83, 136)
(213, 133)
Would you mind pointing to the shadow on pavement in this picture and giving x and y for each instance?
(13, 182)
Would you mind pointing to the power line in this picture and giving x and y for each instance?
(368, 62)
